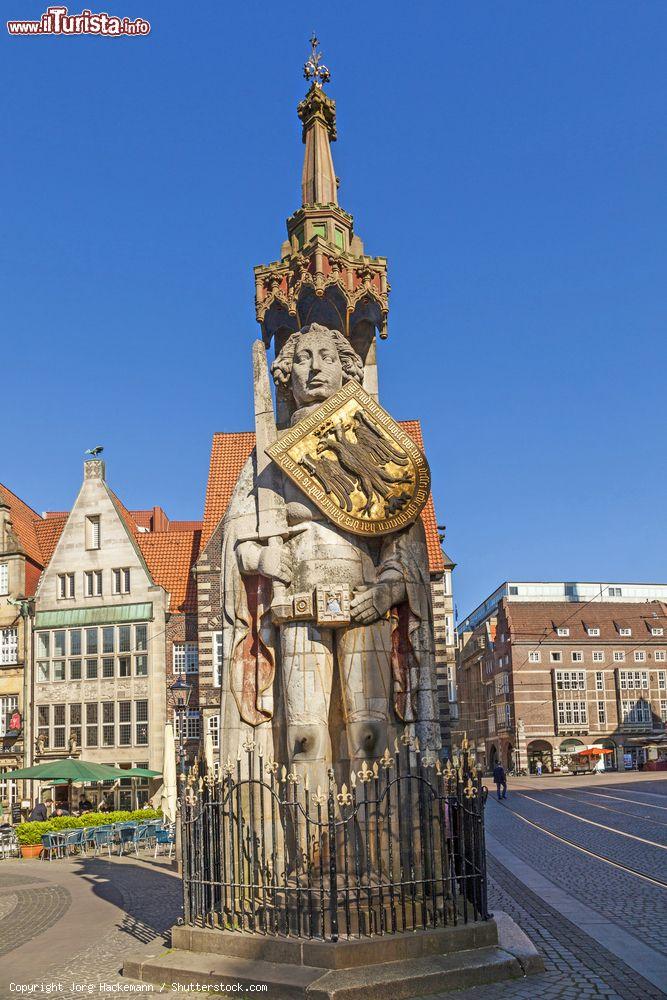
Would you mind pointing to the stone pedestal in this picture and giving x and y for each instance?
(403, 965)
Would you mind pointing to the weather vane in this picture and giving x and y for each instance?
(314, 69)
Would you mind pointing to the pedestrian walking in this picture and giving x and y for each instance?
(538, 768)
(500, 780)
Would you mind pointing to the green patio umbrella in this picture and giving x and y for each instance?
(70, 769)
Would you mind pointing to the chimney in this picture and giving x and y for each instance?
(159, 520)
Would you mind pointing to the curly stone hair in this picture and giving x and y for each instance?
(351, 363)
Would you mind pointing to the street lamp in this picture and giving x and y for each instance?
(181, 692)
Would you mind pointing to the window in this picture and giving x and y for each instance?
(625, 631)
(534, 656)
(8, 788)
(9, 648)
(657, 631)
(572, 713)
(58, 673)
(141, 638)
(108, 723)
(124, 723)
(43, 719)
(141, 723)
(59, 643)
(513, 591)
(43, 672)
(632, 680)
(124, 666)
(121, 581)
(91, 640)
(564, 632)
(75, 671)
(186, 659)
(214, 729)
(91, 670)
(614, 591)
(93, 531)
(636, 712)
(217, 659)
(640, 656)
(93, 583)
(65, 585)
(619, 656)
(92, 714)
(663, 709)
(124, 638)
(107, 666)
(598, 656)
(191, 724)
(570, 680)
(8, 705)
(593, 632)
(75, 723)
(577, 656)
(108, 639)
(58, 727)
(662, 680)
(74, 642)
(43, 645)
(556, 656)
(660, 656)
(4, 578)
(602, 715)
(141, 666)
(599, 680)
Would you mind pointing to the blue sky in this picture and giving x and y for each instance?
(508, 159)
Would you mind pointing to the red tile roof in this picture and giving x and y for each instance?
(170, 556)
(23, 520)
(48, 532)
(229, 453)
(532, 620)
(186, 525)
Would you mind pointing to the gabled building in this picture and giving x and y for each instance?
(113, 595)
(21, 561)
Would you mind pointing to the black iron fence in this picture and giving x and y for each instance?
(401, 847)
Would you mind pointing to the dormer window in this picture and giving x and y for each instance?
(562, 632)
(625, 631)
(593, 632)
(93, 531)
(654, 631)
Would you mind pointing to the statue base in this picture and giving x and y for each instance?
(402, 965)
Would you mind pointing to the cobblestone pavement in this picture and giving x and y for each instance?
(73, 921)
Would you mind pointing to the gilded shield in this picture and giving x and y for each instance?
(356, 464)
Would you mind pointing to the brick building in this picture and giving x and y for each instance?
(541, 679)
(21, 561)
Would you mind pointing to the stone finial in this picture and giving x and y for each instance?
(94, 468)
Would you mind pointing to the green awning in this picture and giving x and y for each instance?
(111, 614)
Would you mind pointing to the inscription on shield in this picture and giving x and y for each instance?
(356, 464)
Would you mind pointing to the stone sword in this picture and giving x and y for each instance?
(272, 526)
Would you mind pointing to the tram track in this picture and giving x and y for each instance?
(596, 805)
(584, 850)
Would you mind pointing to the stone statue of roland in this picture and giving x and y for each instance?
(314, 696)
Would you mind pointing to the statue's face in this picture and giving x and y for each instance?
(316, 369)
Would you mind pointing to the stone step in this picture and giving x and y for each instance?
(398, 980)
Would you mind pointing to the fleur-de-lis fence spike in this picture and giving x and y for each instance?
(228, 767)
(386, 760)
(365, 774)
(319, 799)
(429, 759)
(344, 797)
(271, 766)
(294, 778)
(469, 789)
(249, 744)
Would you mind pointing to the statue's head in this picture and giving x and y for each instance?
(314, 363)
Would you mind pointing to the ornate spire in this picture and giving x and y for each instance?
(317, 112)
